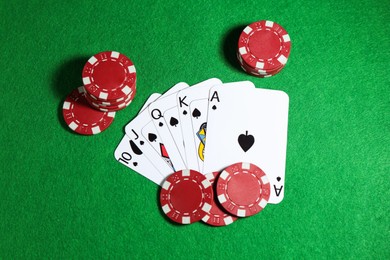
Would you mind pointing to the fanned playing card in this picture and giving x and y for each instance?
(198, 128)
(248, 125)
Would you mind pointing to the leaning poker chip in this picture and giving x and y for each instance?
(217, 216)
(109, 75)
(243, 189)
(186, 196)
(82, 118)
(264, 45)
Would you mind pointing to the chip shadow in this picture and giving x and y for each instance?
(229, 46)
(66, 78)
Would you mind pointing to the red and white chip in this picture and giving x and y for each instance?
(263, 48)
(243, 189)
(186, 196)
(81, 117)
(109, 75)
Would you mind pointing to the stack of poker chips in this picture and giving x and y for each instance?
(109, 81)
(109, 85)
(263, 48)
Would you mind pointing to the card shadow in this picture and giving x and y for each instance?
(66, 78)
(229, 47)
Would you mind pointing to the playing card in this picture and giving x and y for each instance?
(129, 154)
(183, 99)
(248, 125)
(156, 112)
(197, 129)
(171, 117)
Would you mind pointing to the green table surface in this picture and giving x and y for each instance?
(63, 195)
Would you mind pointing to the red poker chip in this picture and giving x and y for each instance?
(217, 216)
(243, 189)
(186, 196)
(109, 75)
(264, 45)
(81, 117)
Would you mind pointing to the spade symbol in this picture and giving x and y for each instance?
(246, 141)
(160, 124)
(173, 121)
(135, 163)
(141, 143)
(214, 107)
(184, 112)
(278, 178)
(196, 113)
(152, 137)
(135, 148)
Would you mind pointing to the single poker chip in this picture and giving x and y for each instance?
(264, 45)
(258, 73)
(217, 215)
(186, 196)
(114, 107)
(243, 189)
(110, 102)
(105, 105)
(109, 75)
(81, 117)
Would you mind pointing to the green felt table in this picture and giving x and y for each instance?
(64, 195)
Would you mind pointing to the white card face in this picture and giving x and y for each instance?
(183, 99)
(129, 154)
(156, 112)
(248, 126)
(171, 117)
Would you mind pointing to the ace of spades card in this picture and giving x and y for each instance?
(198, 114)
(248, 125)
